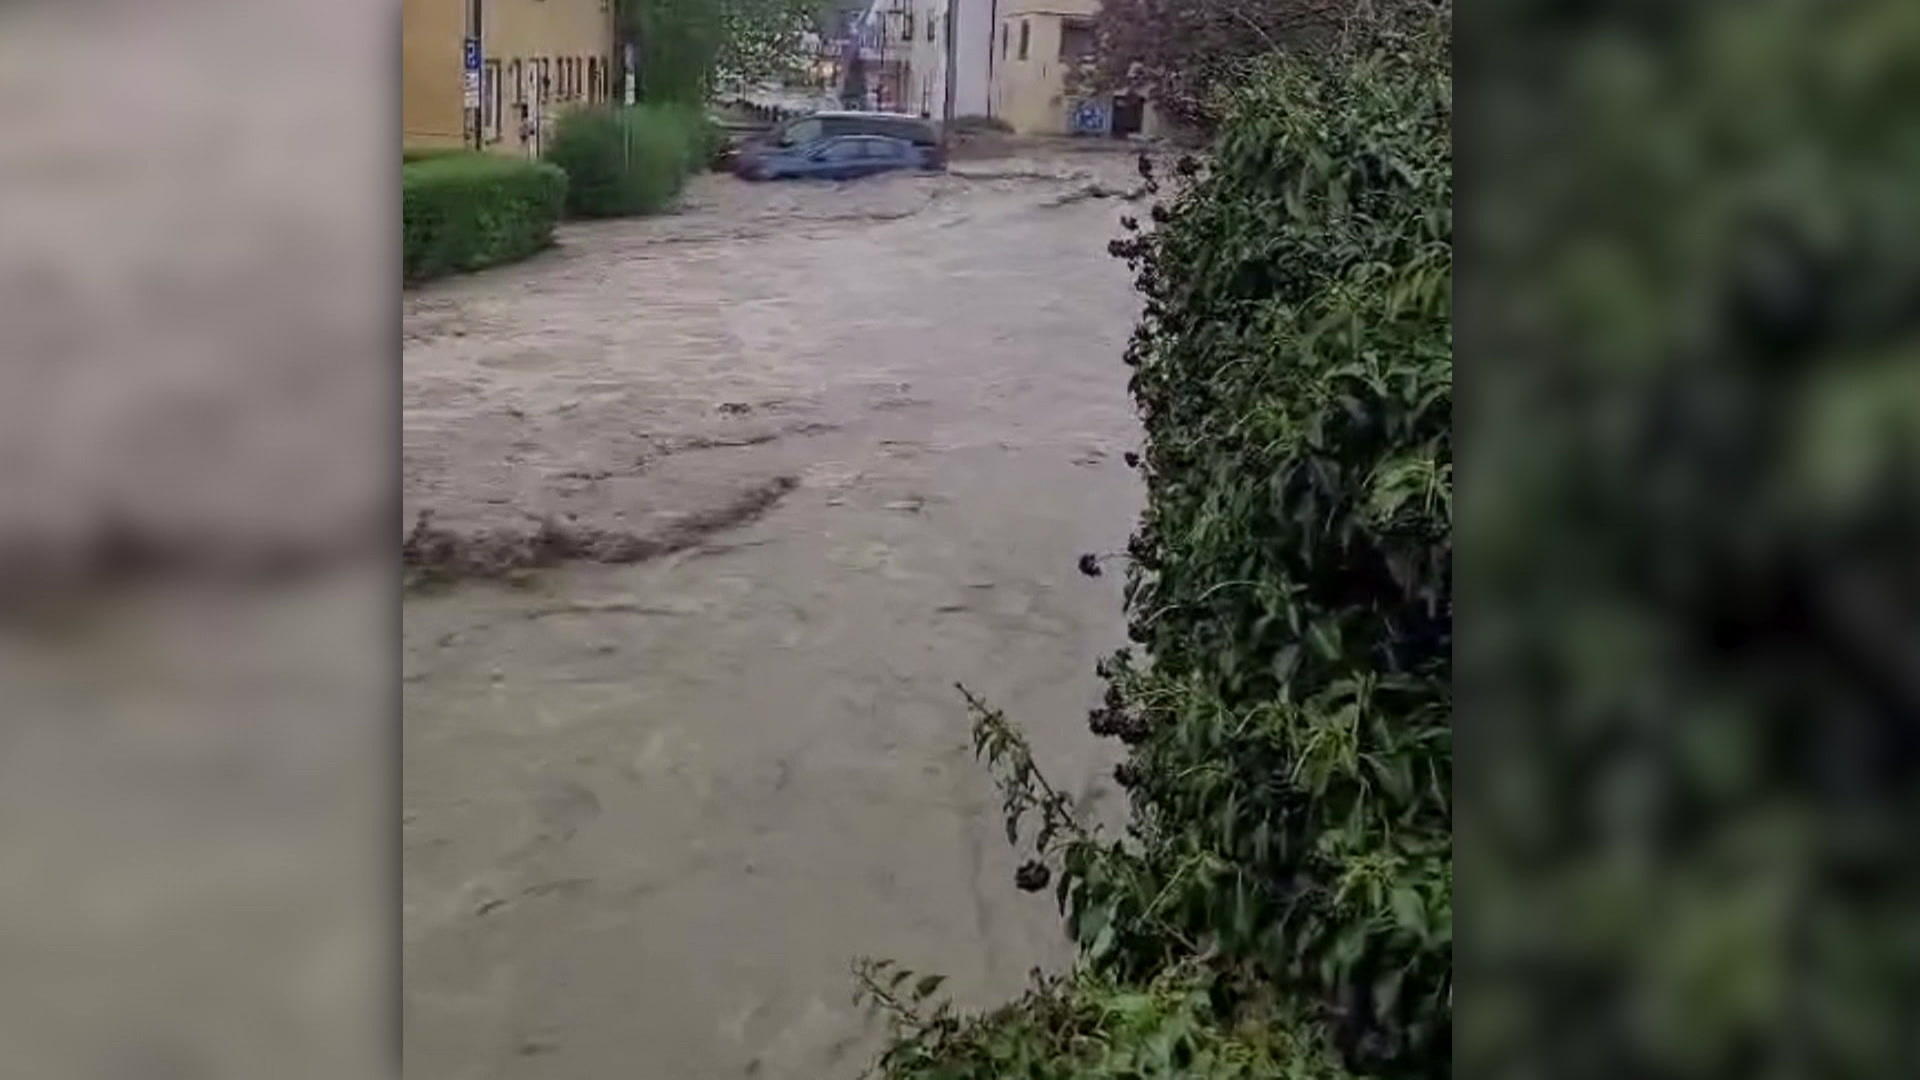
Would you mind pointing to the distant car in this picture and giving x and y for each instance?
(813, 127)
(840, 158)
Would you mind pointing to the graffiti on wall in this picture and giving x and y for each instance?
(1090, 116)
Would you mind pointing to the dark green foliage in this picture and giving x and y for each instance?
(465, 211)
(412, 154)
(1290, 727)
(621, 161)
(1087, 1027)
(1695, 546)
(1291, 582)
(686, 47)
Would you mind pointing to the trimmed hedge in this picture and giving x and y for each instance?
(412, 154)
(622, 161)
(466, 211)
(1282, 902)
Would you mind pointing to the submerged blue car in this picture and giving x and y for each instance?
(840, 157)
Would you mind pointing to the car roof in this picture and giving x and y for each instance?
(855, 114)
(856, 137)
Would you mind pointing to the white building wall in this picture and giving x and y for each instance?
(927, 61)
(972, 53)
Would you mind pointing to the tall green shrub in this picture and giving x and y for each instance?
(465, 211)
(622, 161)
(1289, 858)
(1292, 761)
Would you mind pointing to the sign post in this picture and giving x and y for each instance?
(470, 87)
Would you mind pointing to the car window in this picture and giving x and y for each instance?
(800, 132)
(846, 150)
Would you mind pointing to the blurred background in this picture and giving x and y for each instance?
(1689, 681)
(1690, 453)
(198, 303)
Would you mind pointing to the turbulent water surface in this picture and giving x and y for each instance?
(720, 506)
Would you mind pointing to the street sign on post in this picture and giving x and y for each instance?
(470, 88)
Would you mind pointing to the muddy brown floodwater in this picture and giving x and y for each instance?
(790, 464)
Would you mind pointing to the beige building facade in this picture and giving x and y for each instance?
(538, 57)
(1037, 45)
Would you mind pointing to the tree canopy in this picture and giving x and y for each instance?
(1182, 53)
(685, 46)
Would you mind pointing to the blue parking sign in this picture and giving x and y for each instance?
(473, 54)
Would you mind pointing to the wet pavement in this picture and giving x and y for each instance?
(844, 444)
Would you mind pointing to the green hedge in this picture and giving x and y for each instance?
(1290, 725)
(412, 154)
(1291, 580)
(465, 211)
(621, 161)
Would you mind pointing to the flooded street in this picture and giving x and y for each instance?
(813, 454)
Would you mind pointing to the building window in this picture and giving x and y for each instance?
(490, 100)
(908, 36)
(931, 23)
(1004, 38)
(1076, 41)
(1026, 37)
(593, 78)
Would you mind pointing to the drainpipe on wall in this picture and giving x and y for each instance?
(952, 73)
(993, 55)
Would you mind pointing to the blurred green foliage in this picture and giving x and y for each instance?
(628, 160)
(1691, 769)
(1091, 1027)
(464, 211)
(685, 47)
(1284, 897)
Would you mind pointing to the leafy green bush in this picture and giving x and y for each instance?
(1291, 770)
(1089, 1027)
(621, 161)
(465, 211)
(1290, 731)
(411, 154)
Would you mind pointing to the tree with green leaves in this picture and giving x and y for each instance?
(684, 48)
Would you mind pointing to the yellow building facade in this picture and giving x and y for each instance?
(1036, 47)
(538, 57)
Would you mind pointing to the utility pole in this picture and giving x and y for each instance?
(470, 67)
(946, 106)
